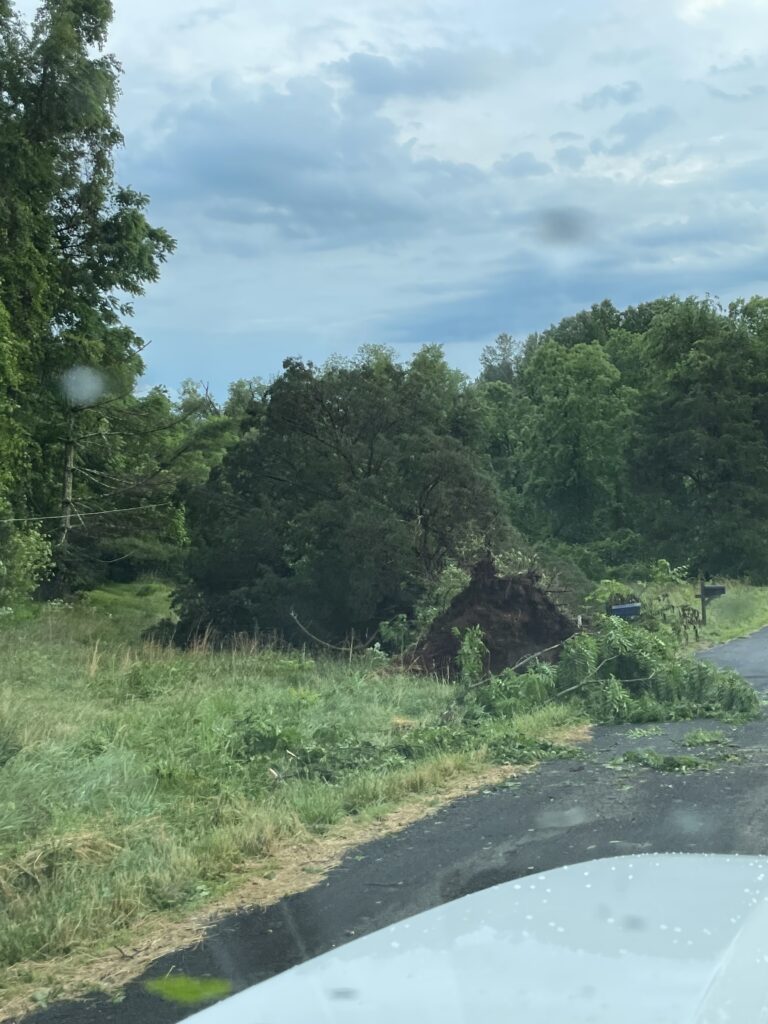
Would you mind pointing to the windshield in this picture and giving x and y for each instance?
(383, 498)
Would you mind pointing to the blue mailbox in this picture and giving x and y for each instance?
(630, 610)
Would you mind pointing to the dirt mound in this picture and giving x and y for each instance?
(516, 616)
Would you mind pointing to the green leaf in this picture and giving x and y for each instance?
(187, 991)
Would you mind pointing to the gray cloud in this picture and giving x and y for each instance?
(318, 29)
(522, 165)
(306, 222)
(428, 72)
(624, 94)
(715, 228)
(527, 294)
(746, 176)
(330, 174)
(655, 163)
(571, 157)
(752, 93)
(635, 129)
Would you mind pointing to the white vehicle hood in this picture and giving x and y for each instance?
(652, 939)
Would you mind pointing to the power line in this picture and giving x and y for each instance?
(106, 512)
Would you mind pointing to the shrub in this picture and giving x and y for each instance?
(25, 561)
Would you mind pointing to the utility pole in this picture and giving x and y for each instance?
(69, 472)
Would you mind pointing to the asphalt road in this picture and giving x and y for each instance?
(749, 656)
(565, 812)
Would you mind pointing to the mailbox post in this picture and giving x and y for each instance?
(709, 591)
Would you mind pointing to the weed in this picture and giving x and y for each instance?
(472, 655)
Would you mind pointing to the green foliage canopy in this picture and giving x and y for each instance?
(349, 490)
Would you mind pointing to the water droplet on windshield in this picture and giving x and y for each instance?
(633, 923)
(83, 385)
(343, 993)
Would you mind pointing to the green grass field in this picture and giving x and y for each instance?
(135, 779)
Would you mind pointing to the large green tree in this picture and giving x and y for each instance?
(74, 245)
(137, 459)
(351, 487)
(500, 361)
(593, 324)
(701, 460)
(576, 415)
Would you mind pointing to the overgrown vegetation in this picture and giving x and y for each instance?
(635, 480)
(138, 779)
(671, 606)
(341, 495)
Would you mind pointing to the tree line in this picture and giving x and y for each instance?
(608, 441)
(335, 497)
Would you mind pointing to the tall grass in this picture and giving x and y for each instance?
(136, 778)
(742, 610)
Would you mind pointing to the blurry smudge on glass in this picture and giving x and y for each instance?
(567, 225)
(82, 386)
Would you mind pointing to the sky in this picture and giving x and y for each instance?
(408, 173)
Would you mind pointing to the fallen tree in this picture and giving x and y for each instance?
(517, 618)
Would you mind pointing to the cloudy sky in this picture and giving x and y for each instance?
(410, 172)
